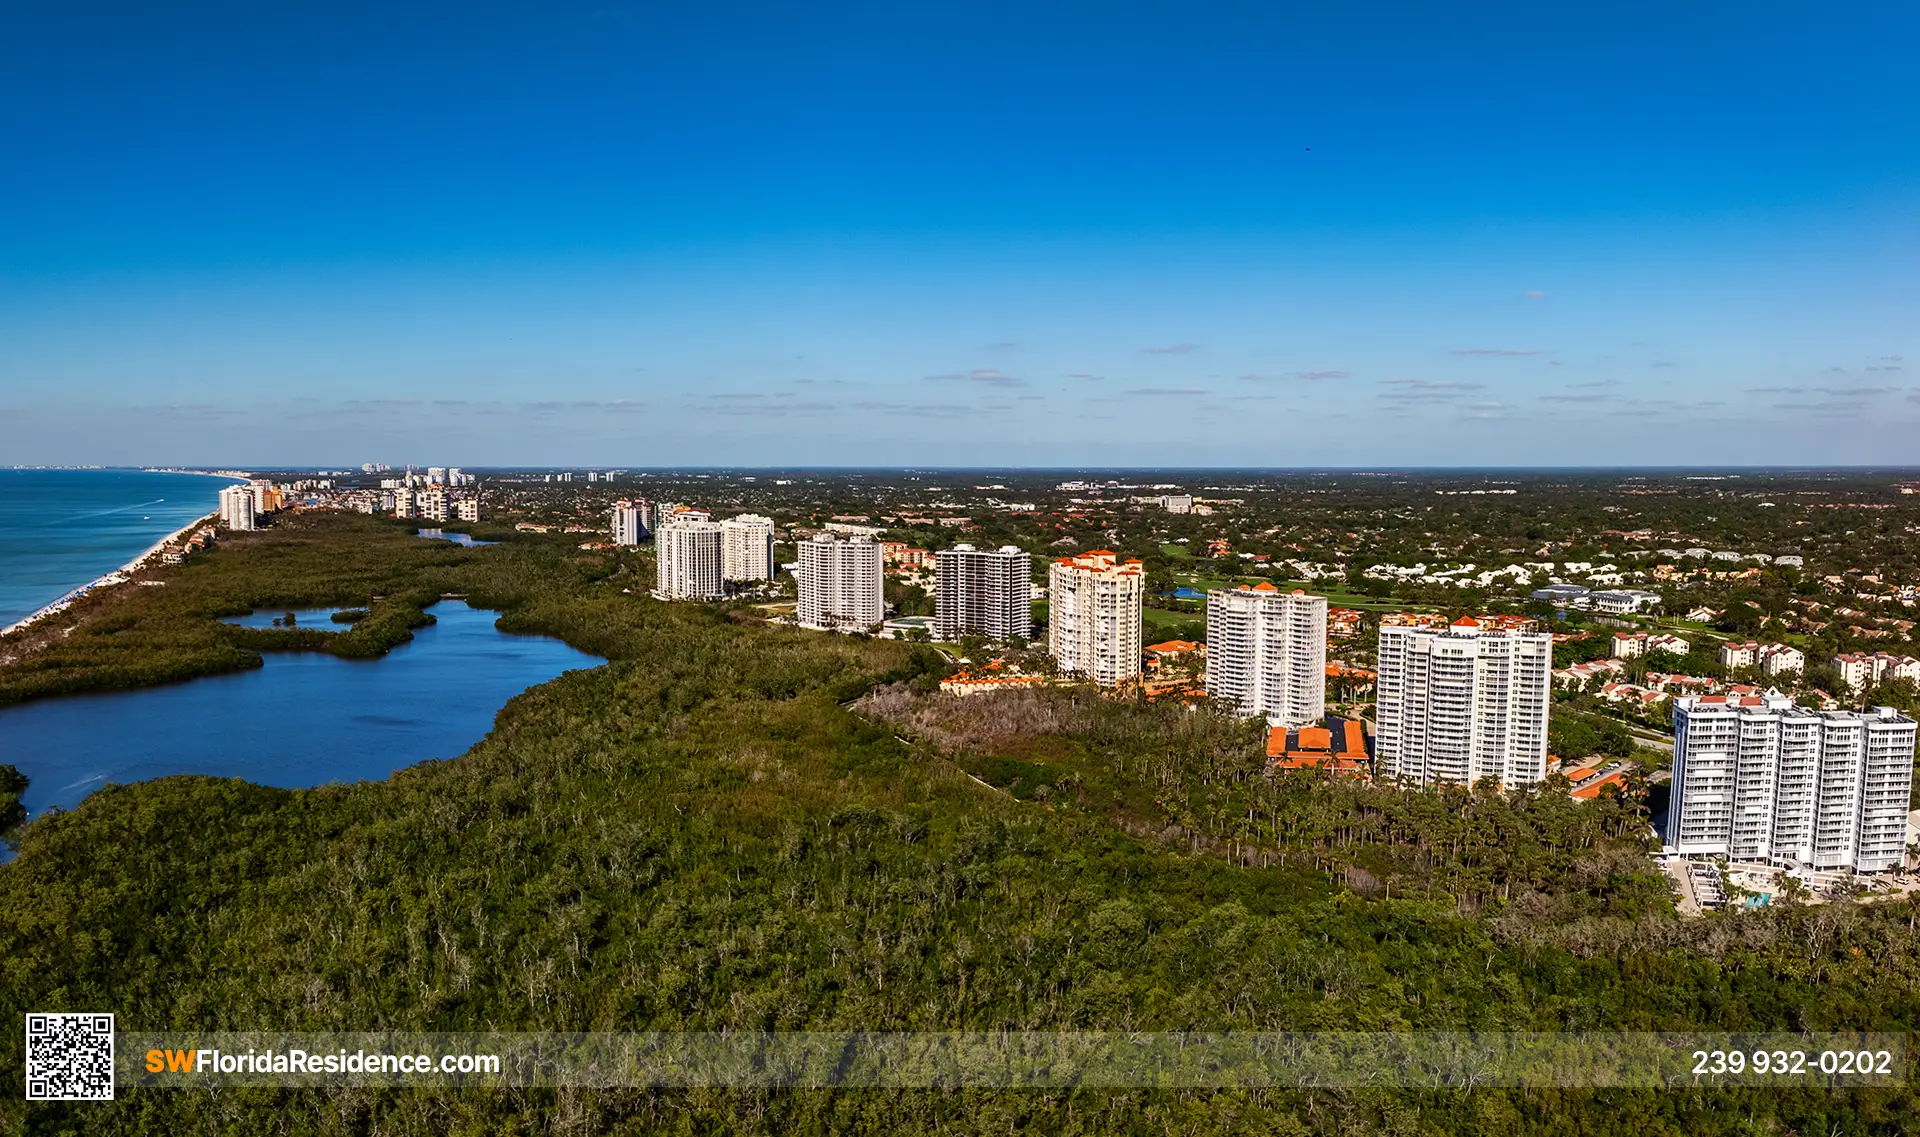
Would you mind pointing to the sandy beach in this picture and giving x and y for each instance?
(118, 576)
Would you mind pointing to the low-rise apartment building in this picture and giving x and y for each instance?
(1860, 670)
(1771, 659)
(1629, 645)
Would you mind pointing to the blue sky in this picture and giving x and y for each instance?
(1031, 234)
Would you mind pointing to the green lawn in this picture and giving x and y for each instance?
(1160, 618)
(1335, 597)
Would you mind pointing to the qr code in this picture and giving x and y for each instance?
(70, 1057)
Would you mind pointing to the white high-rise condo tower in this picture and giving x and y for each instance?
(1267, 652)
(1093, 616)
(1761, 779)
(630, 522)
(746, 548)
(687, 552)
(841, 586)
(1463, 704)
(236, 508)
(979, 592)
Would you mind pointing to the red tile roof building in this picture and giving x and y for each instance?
(1321, 748)
(1094, 604)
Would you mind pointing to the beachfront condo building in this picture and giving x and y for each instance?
(983, 592)
(1462, 704)
(266, 496)
(840, 581)
(1267, 653)
(746, 548)
(1761, 779)
(1094, 604)
(631, 524)
(687, 556)
(236, 508)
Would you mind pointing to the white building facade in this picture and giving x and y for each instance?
(432, 504)
(1772, 659)
(1629, 645)
(840, 583)
(1762, 779)
(746, 548)
(1461, 704)
(631, 523)
(265, 497)
(1267, 653)
(687, 555)
(1094, 605)
(236, 508)
(983, 592)
(1860, 670)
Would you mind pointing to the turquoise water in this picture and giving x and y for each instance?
(60, 529)
(304, 719)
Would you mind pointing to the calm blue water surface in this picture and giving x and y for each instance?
(320, 618)
(304, 719)
(457, 538)
(60, 529)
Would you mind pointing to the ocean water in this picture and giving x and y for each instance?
(60, 529)
(304, 719)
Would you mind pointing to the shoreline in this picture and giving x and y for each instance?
(117, 576)
(230, 475)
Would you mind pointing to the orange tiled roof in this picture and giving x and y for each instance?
(1355, 744)
(1593, 788)
(1313, 747)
